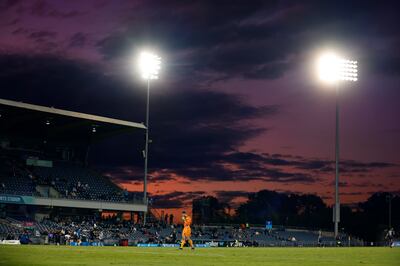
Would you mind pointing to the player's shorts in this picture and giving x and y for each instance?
(187, 232)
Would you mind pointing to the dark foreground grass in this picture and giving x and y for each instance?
(63, 255)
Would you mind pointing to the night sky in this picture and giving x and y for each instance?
(238, 106)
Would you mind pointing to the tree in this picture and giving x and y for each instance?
(284, 209)
(208, 209)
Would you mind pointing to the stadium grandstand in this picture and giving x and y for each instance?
(44, 170)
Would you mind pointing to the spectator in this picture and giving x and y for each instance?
(390, 236)
(24, 238)
(319, 238)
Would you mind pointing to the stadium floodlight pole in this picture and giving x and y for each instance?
(390, 212)
(149, 65)
(389, 198)
(334, 69)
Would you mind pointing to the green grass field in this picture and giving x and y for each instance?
(62, 255)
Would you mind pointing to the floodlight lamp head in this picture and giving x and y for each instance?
(149, 65)
(332, 68)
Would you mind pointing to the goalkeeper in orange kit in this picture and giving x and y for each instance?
(187, 231)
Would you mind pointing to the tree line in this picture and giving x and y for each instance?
(367, 220)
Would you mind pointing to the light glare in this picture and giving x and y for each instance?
(149, 65)
(332, 68)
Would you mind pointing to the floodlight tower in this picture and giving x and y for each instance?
(149, 66)
(335, 70)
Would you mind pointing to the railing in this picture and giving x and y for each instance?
(38, 195)
(135, 201)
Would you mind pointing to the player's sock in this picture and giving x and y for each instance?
(191, 244)
(183, 242)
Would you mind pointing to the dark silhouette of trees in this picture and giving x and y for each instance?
(367, 220)
(208, 209)
(371, 218)
(284, 209)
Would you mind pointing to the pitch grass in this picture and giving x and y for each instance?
(64, 255)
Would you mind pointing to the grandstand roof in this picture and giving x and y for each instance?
(18, 119)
